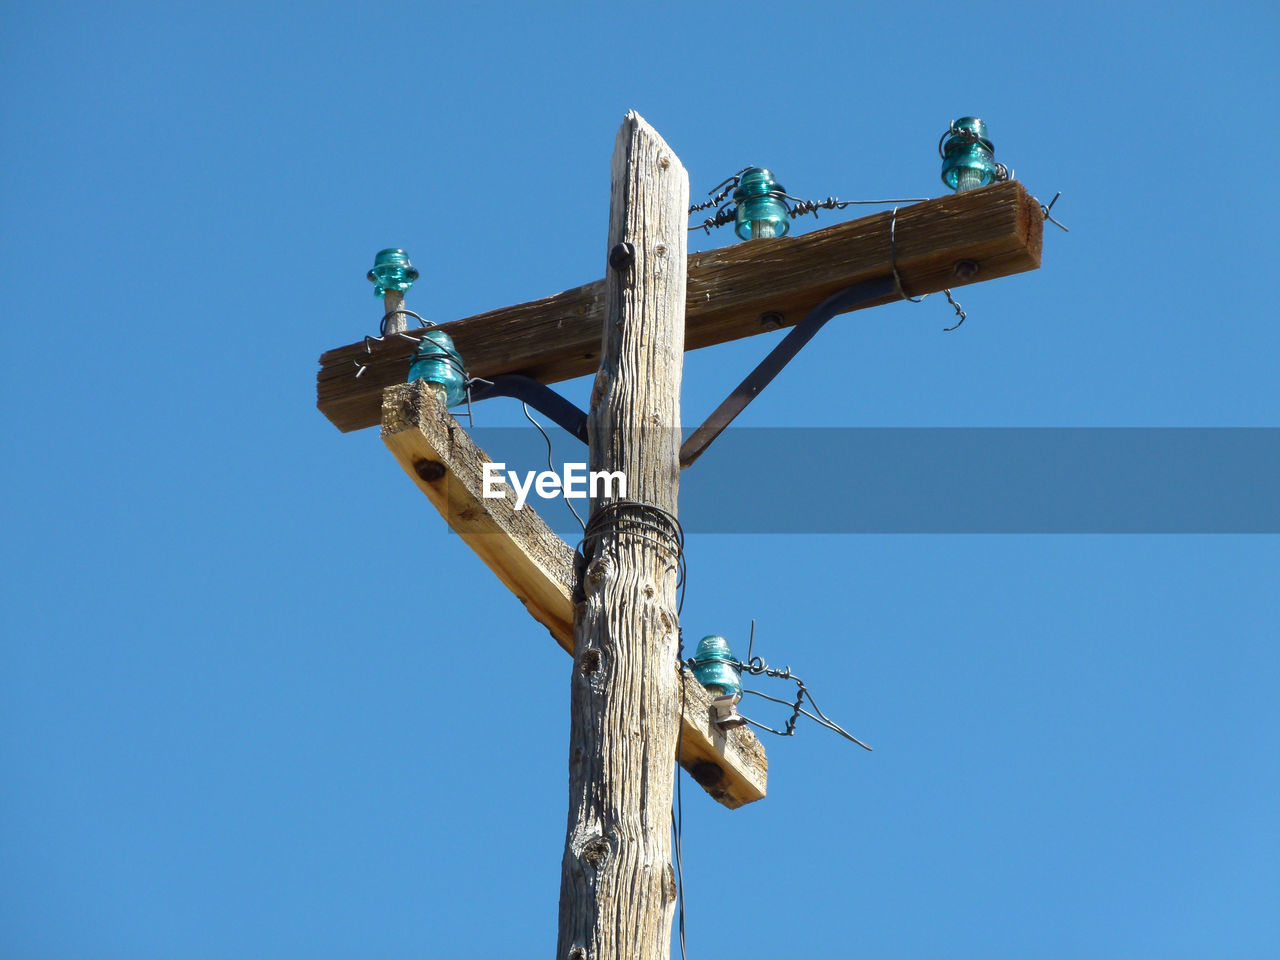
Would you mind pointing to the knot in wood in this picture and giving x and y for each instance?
(429, 470)
(707, 774)
(599, 570)
(595, 852)
(589, 663)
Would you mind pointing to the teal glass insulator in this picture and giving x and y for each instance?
(392, 271)
(761, 210)
(968, 156)
(715, 667)
(437, 361)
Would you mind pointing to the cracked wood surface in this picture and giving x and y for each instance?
(617, 885)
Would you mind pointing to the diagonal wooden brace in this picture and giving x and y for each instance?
(537, 566)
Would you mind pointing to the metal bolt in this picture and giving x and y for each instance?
(965, 269)
(622, 255)
(771, 320)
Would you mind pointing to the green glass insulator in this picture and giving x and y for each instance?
(761, 210)
(392, 271)
(968, 156)
(715, 667)
(437, 361)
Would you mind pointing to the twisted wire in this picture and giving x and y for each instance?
(726, 213)
(959, 312)
(645, 521)
(439, 353)
(1045, 210)
(897, 279)
(756, 667)
(800, 207)
(797, 708)
(370, 340)
(729, 184)
(383, 335)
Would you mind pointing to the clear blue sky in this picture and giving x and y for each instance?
(256, 702)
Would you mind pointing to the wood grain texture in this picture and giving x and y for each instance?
(537, 566)
(617, 885)
(998, 229)
(517, 545)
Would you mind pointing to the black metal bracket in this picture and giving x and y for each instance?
(850, 298)
(574, 421)
(537, 395)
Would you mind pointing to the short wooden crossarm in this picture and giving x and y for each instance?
(537, 566)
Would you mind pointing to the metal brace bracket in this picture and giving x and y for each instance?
(574, 421)
(850, 298)
(537, 395)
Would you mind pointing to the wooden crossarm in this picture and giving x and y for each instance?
(537, 566)
(732, 292)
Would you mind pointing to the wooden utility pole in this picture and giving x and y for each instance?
(633, 707)
(617, 887)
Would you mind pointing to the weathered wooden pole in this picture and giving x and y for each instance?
(617, 887)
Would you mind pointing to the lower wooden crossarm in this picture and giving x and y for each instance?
(537, 566)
